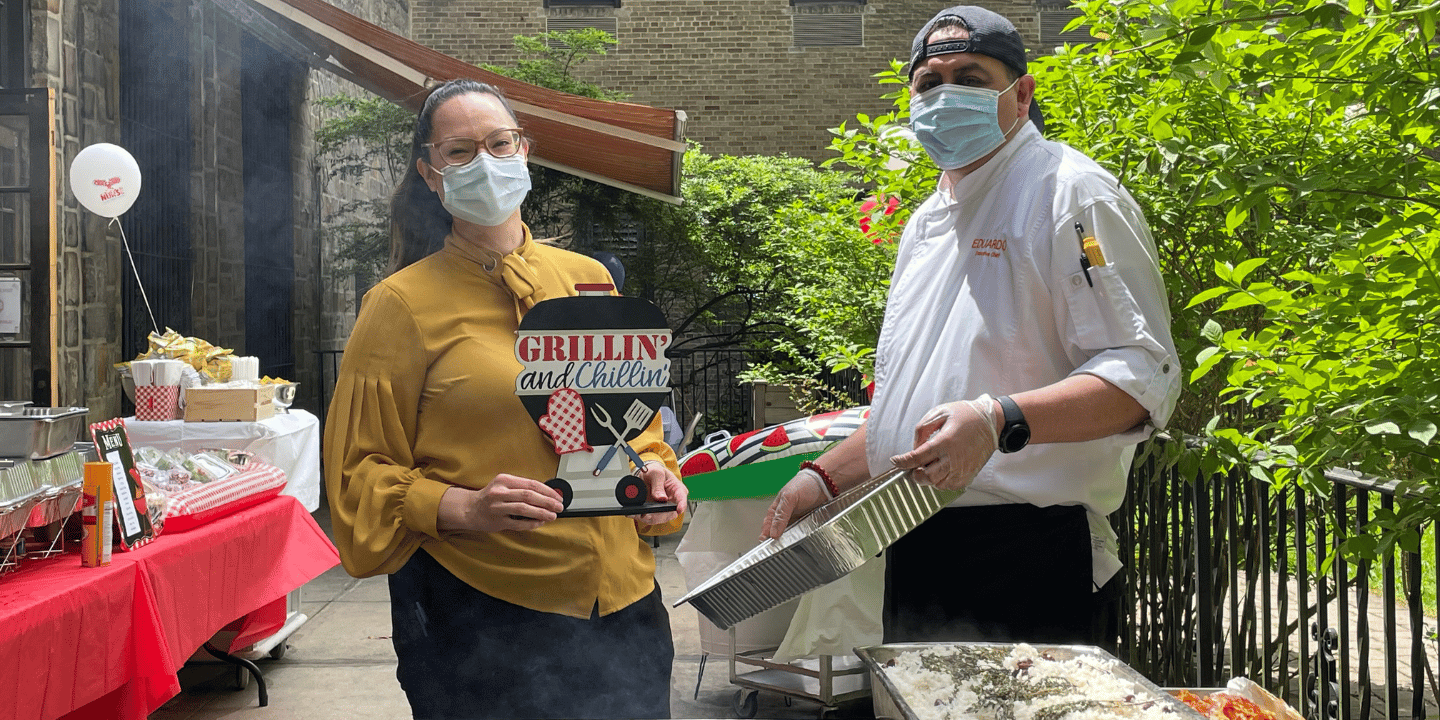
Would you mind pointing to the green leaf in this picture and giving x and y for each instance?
(1382, 427)
(1237, 301)
(1204, 361)
(1246, 267)
(1211, 331)
(1201, 35)
(1207, 295)
(1236, 216)
(1422, 430)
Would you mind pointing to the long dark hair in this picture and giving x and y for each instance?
(418, 222)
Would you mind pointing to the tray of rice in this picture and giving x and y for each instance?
(1011, 681)
(820, 548)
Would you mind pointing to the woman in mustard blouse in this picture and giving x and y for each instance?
(435, 470)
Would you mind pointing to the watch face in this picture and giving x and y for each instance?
(1014, 438)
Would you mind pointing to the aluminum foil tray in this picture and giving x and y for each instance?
(65, 475)
(824, 546)
(15, 512)
(890, 703)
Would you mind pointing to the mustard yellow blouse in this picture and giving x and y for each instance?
(425, 399)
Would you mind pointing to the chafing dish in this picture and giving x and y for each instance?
(890, 702)
(37, 432)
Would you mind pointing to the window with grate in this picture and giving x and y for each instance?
(561, 24)
(582, 3)
(14, 43)
(1054, 16)
(827, 24)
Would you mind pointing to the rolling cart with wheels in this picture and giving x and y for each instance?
(272, 647)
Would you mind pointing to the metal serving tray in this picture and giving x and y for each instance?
(824, 546)
(37, 432)
(889, 703)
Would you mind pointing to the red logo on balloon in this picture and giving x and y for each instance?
(110, 189)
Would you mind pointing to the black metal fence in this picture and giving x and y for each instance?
(1230, 579)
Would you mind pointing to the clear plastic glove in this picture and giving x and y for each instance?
(805, 492)
(952, 442)
(664, 487)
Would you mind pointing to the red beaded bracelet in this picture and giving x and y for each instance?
(824, 477)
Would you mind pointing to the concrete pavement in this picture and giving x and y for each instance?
(341, 664)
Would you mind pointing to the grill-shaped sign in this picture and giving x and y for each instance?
(594, 374)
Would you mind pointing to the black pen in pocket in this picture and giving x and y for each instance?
(1090, 254)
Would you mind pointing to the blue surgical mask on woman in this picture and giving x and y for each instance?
(958, 125)
(486, 190)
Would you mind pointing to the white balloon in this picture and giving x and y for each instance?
(105, 179)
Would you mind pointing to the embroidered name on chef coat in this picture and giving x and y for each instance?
(989, 248)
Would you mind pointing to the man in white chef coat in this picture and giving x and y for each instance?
(1007, 365)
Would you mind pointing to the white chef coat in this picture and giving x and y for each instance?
(988, 296)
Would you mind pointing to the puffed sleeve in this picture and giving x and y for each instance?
(650, 445)
(381, 507)
(1119, 328)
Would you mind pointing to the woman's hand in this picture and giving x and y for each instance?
(509, 502)
(664, 487)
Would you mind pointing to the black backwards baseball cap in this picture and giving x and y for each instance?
(990, 34)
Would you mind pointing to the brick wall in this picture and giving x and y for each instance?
(729, 65)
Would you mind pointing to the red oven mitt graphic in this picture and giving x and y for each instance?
(564, 421)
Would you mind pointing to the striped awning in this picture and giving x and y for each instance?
(629, 146)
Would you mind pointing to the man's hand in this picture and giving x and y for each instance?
(664, 487)
(509, 502)
(952, 442)
(805, 492)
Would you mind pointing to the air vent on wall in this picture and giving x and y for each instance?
(828, 29)
(561, 24)
(1052, 25)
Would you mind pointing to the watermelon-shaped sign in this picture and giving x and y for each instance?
(594, 374)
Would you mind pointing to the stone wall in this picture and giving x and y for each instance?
(332, 298)
(731, 66)
(75, 50)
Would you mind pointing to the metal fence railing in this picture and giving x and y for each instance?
(1230, 578)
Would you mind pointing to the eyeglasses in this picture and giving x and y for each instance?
(502, 143)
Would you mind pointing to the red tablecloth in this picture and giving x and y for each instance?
(109, 641)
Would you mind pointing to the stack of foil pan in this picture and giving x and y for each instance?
(65, 476)
(822, 547)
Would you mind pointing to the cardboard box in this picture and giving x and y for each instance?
(242, 404)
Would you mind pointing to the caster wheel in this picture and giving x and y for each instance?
(566, 492)
(278, 652)
(746, 703)
(631, 491)
(242, 678)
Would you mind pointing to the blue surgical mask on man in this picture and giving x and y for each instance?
(958, 125)
(486, 190)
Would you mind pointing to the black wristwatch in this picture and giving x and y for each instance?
(1016, 433)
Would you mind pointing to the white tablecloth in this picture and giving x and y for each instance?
(289, 441)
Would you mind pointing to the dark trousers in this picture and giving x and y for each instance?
(999, 573)
(464, 654)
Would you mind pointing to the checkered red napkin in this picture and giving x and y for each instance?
(195, 506)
